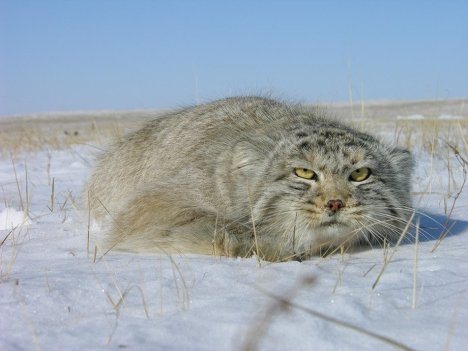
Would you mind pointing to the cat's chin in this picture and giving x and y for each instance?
(334, 233)
(333, 224)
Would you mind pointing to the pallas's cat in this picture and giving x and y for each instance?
(249, 175)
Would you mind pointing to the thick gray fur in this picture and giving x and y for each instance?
(219, 179)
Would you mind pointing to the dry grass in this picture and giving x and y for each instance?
(442, 139)
(283, 304)
(61, 131)
(9, 249)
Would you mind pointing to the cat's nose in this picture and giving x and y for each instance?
(335, 205)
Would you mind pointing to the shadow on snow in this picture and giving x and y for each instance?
(433, 226)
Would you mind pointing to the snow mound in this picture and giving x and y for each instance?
(11, 219)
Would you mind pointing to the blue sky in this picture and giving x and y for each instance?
(121, 55)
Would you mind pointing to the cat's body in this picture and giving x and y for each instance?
(249, 175)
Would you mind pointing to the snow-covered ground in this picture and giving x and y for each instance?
(56, 294)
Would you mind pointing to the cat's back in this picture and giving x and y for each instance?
(216, 119)
(198, 133)
(184, 143)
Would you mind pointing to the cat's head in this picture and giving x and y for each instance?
(320, 186)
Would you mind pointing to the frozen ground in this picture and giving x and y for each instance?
(55, 295)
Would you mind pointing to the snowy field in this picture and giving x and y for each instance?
(57, 292)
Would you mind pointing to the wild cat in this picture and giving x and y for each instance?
(249, 175)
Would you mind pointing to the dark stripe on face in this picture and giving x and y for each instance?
(321, 142)
(388, 206)
(280, 177)
(301, 135)
(270, 205)
(299, 186)
(305, 146)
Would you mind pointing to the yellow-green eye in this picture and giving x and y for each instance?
(305, 173)
(360, 174)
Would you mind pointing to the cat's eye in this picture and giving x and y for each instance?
(360, 174)
(305, 173)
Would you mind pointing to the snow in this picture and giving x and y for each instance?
(449, 117)
(411, 117)
(54, 295)
(11, 219)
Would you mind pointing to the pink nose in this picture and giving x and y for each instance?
(335, 205)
